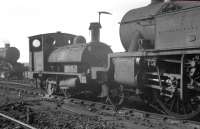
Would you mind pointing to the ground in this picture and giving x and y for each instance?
(59, 113)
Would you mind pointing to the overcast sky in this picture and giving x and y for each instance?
(20, 19)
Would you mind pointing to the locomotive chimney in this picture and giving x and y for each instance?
(7, 45)
(156, 1)
(95, 31)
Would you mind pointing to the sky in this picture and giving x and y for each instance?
(20, 19)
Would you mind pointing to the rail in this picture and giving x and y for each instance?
(17, 121)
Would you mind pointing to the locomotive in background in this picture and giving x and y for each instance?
(161, 65)
(65, 63)
(9, 67)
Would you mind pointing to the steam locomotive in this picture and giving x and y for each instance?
(62, 62)
(9, 67)
(161, 64)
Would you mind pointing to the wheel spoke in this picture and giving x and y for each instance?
(176, 107)
(184, 110)
(190, 107)
(172, 105)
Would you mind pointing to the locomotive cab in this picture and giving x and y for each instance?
(41, 46)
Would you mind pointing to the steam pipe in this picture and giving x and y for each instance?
(103, 12)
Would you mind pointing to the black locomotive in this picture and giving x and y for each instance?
(161, 64)
(65, 62)
(9, 67)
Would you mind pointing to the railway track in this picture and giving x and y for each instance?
(133, 113)
(17, 121)
(24, 88)
(101, 109)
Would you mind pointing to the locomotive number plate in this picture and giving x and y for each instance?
(70, 68)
